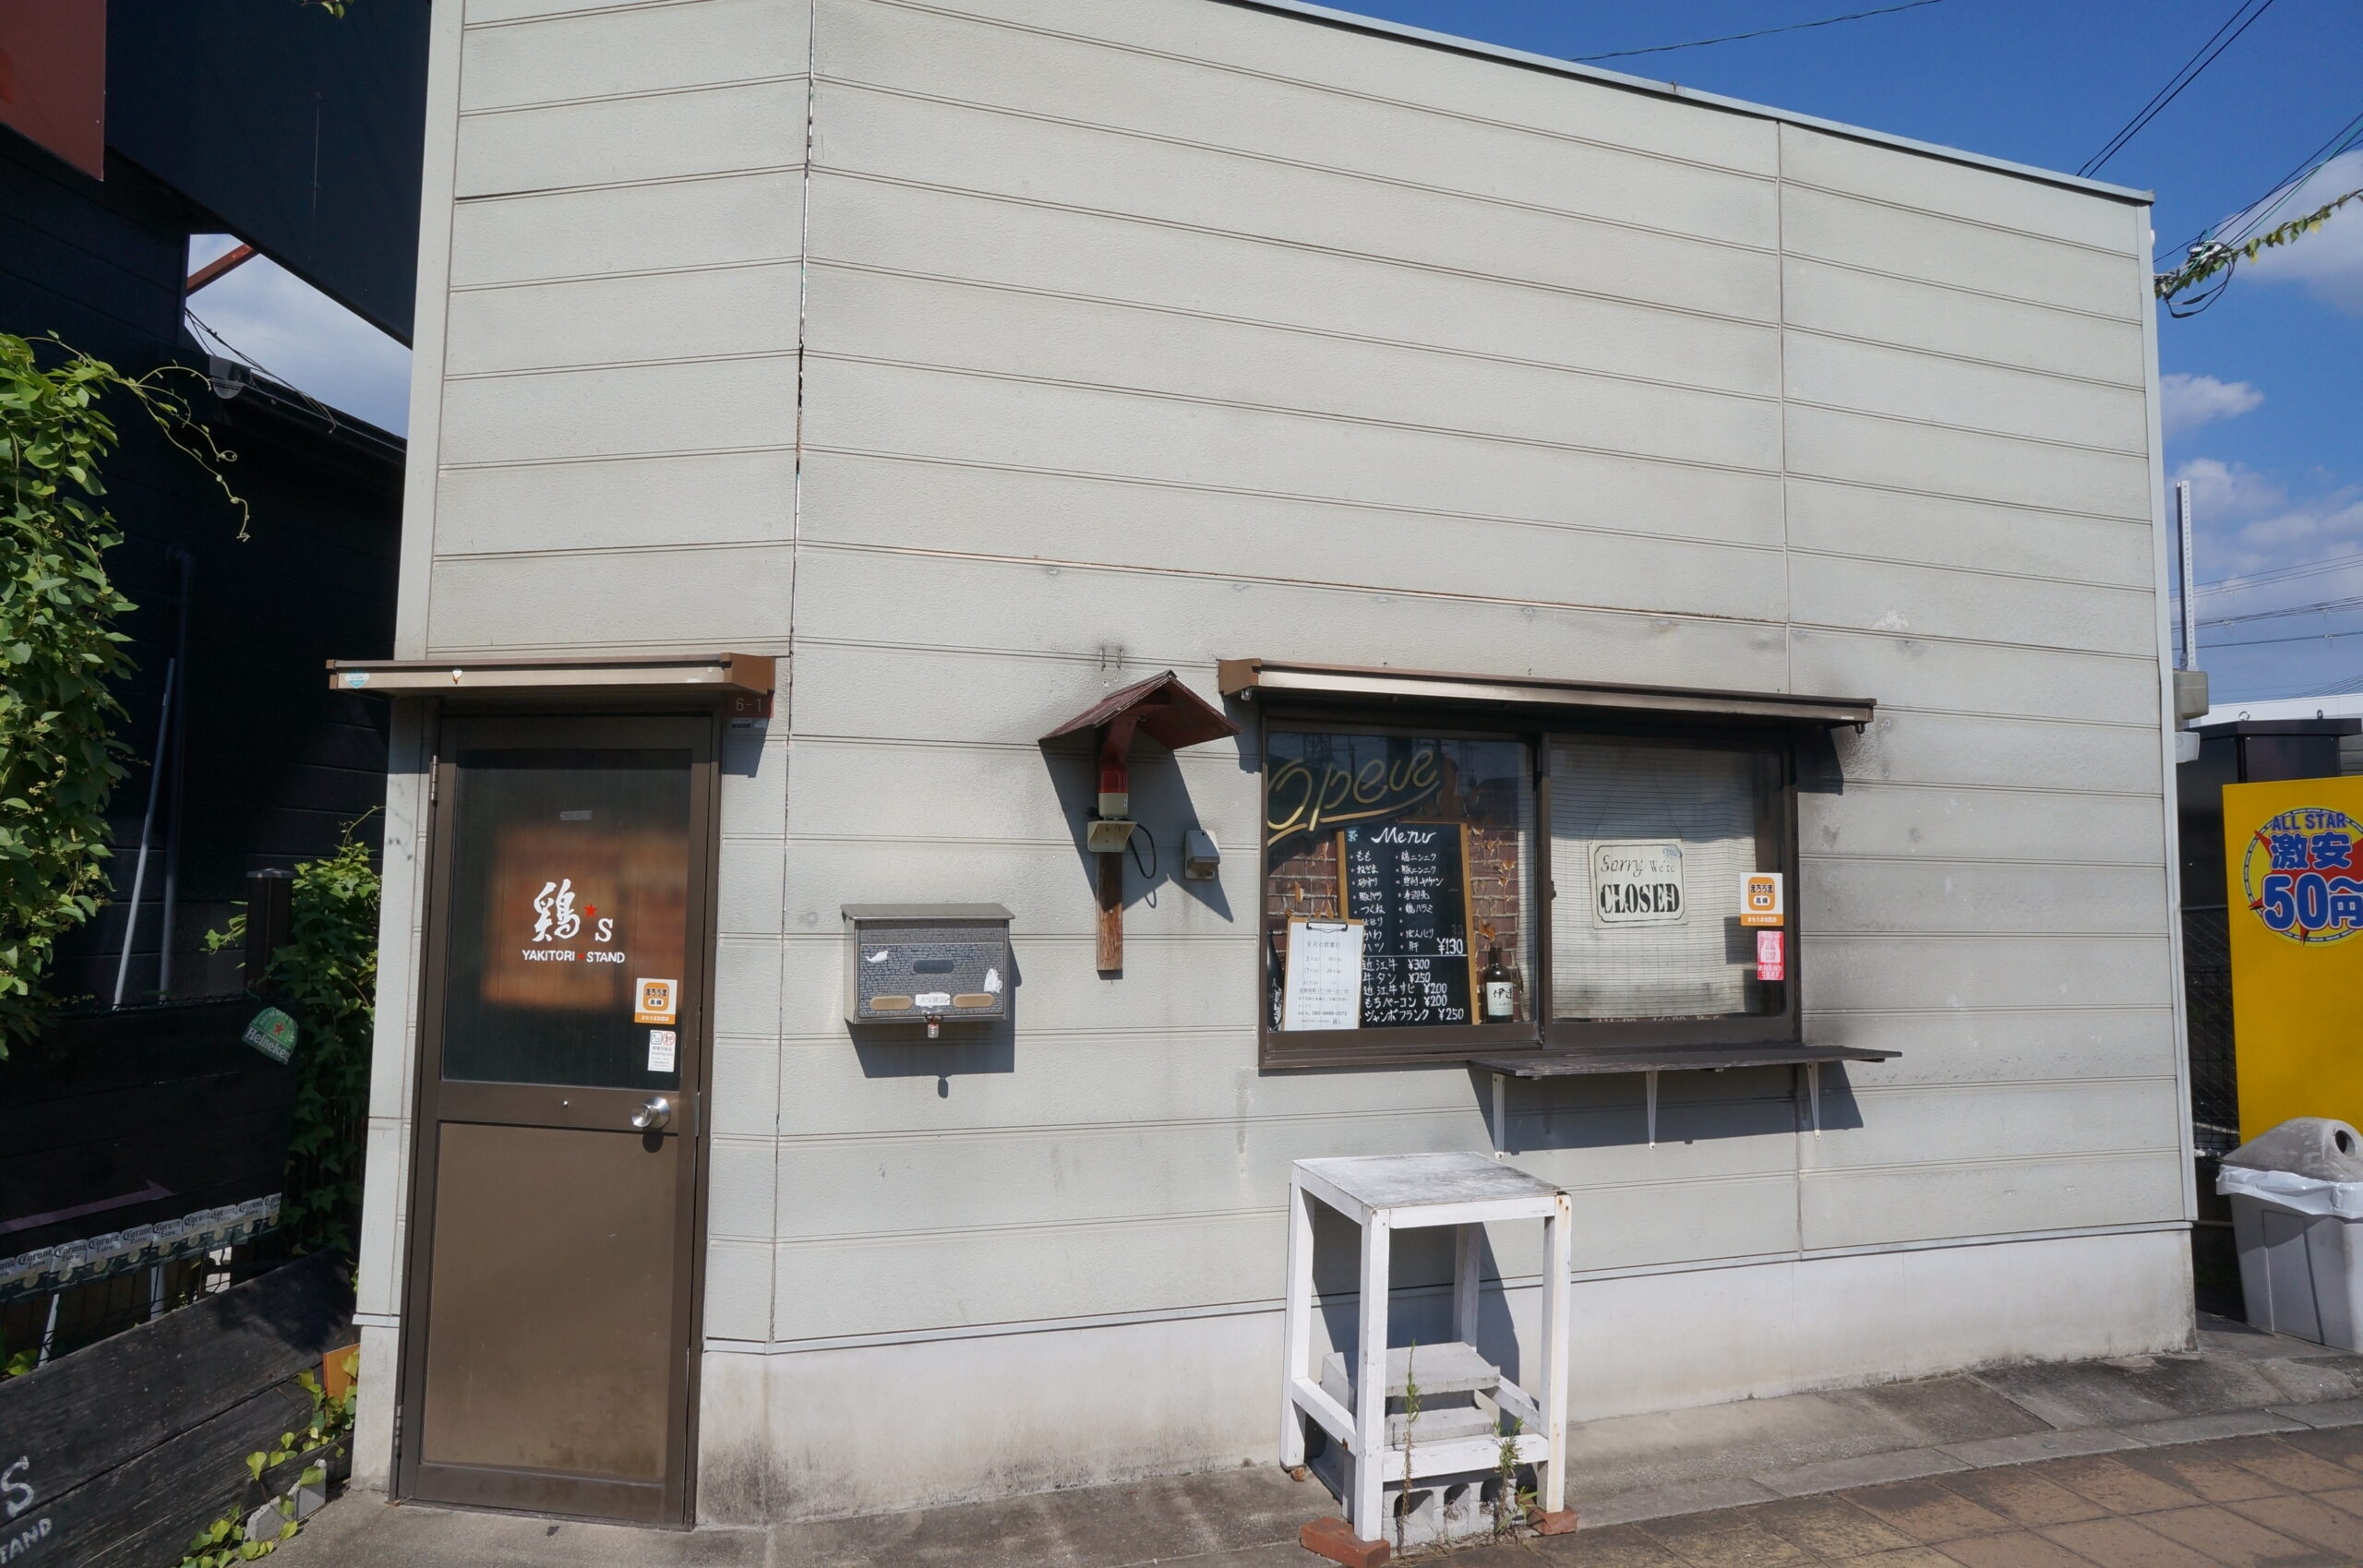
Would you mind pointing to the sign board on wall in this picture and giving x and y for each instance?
(2293, 863)
(1637, 882)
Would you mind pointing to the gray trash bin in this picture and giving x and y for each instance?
(2296, 1196)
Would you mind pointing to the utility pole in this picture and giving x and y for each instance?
(2190, 609)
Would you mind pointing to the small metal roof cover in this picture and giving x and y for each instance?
(467, 675)
(1240, 676)
(1167, 712)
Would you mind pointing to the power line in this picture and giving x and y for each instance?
(1762, 32)
(2341, 140)
(2283, 574)
(2244, 13)
(2268, 641)
(2321, 607)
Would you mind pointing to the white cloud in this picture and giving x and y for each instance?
(2185, 402)
(2248, 523)
(292, 332)
(2328, 262)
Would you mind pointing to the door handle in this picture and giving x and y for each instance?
(654, 1114)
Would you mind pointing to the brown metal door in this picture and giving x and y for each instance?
(549, 1358)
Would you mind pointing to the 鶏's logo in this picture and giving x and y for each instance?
(555, 914)
(2300, 875)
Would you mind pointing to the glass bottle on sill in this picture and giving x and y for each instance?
(1500, 988)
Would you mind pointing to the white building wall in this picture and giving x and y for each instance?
(1141, 336)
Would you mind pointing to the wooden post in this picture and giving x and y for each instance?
(1368, 1513)
(1558, 1263)
(1111, 912)
(1296, 1330)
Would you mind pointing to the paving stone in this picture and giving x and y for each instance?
(2349, 1499)
(1902, 1557)
(1724, 1541)
(2200, 1429)
(2287, 1467)
(1617, 1546)
(2019, 1549)
(1658, 1502)
(2328, 1413)
(1828, 1527)
(1869, 1469)
(2234, 1541)
(2126, 1543)
(2340, 1445)
(2031, 1446)
(2206, 1473)
(1928, 1513)
(2307, 1519)
(2024, 1497)
(2114, 1485)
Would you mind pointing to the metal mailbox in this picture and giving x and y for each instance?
(926, 963)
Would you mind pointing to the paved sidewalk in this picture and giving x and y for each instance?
(2249, 1445)
(2291, 1500)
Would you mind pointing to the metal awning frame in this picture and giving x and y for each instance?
(1648, 1062)
(1246, 678)
(718, 675)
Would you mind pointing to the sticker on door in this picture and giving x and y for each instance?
(659, 1001)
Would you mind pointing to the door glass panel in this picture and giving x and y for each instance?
(569, 918)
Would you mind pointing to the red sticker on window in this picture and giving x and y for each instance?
(1772, 955)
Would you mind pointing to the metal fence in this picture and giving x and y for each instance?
(2207, 1007)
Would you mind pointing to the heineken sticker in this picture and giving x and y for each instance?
(273, 1033)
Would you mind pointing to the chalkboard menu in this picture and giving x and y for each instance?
(1408, 884)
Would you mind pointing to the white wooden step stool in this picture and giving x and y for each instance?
(1457, 1447)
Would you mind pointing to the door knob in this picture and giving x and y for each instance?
(654, 1114)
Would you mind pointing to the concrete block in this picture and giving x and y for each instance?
(1868, 1469)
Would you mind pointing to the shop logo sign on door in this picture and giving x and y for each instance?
(2300, 876)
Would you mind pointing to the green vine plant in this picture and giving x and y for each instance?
(329, 969)
(2211, 256)
(329, 1434)
(61, 654)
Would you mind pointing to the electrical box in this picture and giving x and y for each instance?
(926, 963)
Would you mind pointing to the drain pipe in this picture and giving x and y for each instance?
(181, 557)
(147, 828)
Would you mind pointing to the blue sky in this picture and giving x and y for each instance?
(2263, 389)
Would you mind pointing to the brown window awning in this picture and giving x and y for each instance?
(718, 675)
(1673, 1058)
(1245, 678)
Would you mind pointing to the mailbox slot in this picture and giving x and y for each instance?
(932, 962)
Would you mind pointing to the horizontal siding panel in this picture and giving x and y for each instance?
(1950, 749)
(873, 133)
(1900, 897)
(741, 1180)
(1885, 975)
(736, 598)
(1881, 596)
(1077, 610)
(1094, 255)
(1910, 314)
(707, 222)
(1162, 95)
(715, 131)
(1957, 1125)
(1055, 517)
(1973, 677)
(632, 411)
(899, 411)
(1874, 378)
(1980, 824)
(1870, 1209)
(964, 1279)
(707, 498)
(2001, 1047)
(736, 310)
(1284, 47)
(1965, 256)
(1983, 196)
(1865, 449)
(1038, 337)
(1943, 532)
(609, 51)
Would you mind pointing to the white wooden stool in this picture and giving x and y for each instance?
(1458, 1448)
